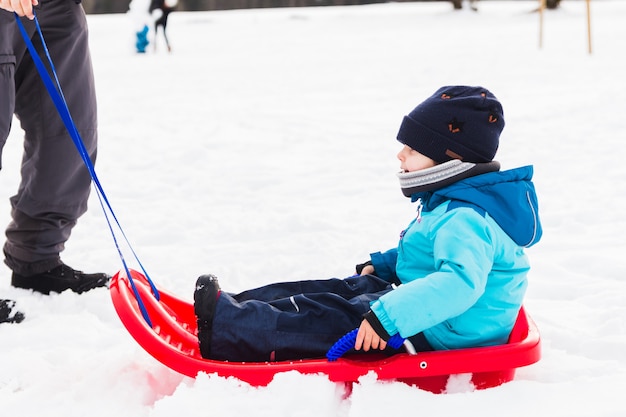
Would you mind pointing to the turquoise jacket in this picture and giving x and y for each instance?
(461, 262)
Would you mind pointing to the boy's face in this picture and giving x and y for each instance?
(411, 160)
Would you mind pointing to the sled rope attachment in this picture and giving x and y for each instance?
(56, 94)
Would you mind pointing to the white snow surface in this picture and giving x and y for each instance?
(263, 149)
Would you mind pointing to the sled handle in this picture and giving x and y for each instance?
(347, 342)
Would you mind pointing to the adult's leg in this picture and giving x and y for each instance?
(7, 77)
(55, 184)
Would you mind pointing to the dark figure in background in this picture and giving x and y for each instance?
(160, 10)
(552, 4)
(458, 4)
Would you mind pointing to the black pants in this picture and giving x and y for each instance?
(55, 184)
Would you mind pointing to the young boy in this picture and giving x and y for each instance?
(456, 280)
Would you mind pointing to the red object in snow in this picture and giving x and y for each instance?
(172, 340)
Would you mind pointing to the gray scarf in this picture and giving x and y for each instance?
(442, 174)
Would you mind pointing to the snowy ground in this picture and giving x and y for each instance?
(263, 148)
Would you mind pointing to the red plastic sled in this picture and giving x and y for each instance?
(172, 341)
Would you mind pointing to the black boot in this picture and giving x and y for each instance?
(205, 300)
(60, 279)
(8, 313)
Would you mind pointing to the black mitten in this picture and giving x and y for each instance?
(359, 267)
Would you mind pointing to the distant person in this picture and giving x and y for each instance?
(160, 10)
(147, 15)
(458, 4)
(55, 184)
(141, 21)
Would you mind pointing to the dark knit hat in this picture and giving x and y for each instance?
(457, 122)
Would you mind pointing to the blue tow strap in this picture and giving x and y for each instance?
(56, 94)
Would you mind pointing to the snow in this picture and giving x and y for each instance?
(263, 148)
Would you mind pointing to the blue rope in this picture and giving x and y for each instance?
(56, 94)
(347, 342)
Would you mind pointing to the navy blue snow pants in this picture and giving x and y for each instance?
(291, 320)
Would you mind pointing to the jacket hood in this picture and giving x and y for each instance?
(508, 196)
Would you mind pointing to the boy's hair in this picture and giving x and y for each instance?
(457, 122)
